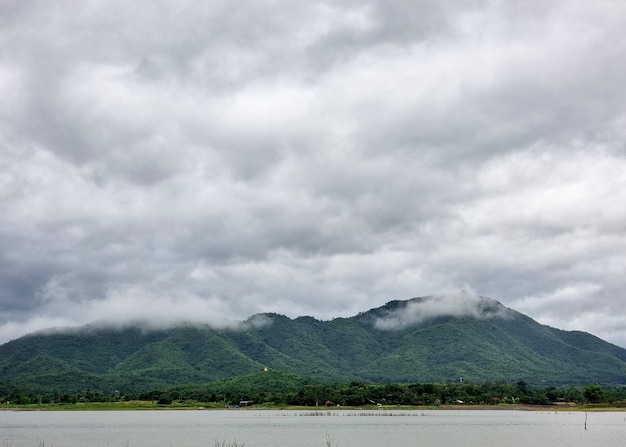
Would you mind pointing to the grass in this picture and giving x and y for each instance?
(228, 444)
(330, 441)
(390, 410)
(116, 406)
(373, 412)
(40, 443)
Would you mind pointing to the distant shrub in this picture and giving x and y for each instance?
(164, 399)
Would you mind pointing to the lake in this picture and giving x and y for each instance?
(346, 428)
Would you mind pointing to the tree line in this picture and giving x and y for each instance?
(344, 394)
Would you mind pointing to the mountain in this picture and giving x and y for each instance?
(428, 339)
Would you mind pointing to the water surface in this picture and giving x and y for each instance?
(347, 428)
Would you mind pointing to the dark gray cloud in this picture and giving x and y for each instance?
(207, 162)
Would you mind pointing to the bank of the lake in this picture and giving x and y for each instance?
(154, 405)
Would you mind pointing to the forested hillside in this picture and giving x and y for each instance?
(400, 342)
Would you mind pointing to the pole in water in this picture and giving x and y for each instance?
(585, 420)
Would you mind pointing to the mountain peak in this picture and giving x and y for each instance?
(401, 314)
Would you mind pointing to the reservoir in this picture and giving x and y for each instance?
(340, 428)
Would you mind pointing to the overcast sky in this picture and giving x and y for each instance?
(207, 161)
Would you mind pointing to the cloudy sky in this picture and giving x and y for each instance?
(207, 161)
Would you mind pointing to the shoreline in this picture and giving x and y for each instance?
(153, 406)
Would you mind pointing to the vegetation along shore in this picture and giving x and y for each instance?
(278, 390)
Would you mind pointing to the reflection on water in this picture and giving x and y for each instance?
(347, 428)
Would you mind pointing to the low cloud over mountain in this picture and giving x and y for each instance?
(459, 304)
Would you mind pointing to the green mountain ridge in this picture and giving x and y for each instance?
(477, 339)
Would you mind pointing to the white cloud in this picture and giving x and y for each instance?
(223, 164)
(451, 304)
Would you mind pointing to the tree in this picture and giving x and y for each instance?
(165, 399)
(594, 394)
(313, 394)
